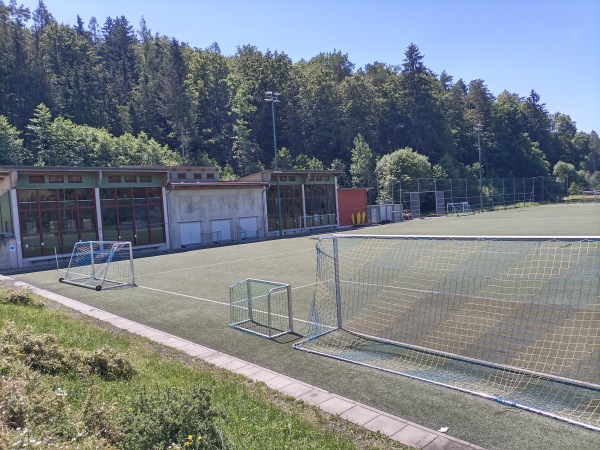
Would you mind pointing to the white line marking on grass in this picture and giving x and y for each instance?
(184, 295)
(211, 301)
(223, 263)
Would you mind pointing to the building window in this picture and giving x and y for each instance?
(181, 176)
(290, 197)
(36, 179)
(319, 178)
(130, 178)
(325, 177)
(74, 179)
(114, 178)
(55, 219)
(197, 176)
(56, 179)
(291, 178)
(320, 204)
(133, 214)
(210, 176)
(283, 178)
(145, 178)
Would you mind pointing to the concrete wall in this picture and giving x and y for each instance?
(206, 205)
(8, 253)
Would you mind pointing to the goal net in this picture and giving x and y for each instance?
(512, 319)
(261, 307)
(461, 208)
(101, 265)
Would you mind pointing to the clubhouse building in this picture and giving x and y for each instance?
(44, 211)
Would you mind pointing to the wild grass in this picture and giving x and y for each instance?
(68, 382)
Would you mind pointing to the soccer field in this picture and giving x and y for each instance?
(187, 294)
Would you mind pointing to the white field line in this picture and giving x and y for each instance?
(216, 301)
(224, 263)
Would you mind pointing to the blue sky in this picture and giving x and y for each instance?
(551, 46)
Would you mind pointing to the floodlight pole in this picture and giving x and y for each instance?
(478, 127)
(272, 97)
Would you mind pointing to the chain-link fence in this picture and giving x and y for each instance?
(431, 195)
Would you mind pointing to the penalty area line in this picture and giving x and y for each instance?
(184, 295)
(207, 299)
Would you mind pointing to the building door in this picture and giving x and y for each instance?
(190, 232)
(249, 226)
(221, 230)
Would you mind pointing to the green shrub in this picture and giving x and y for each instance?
(27, 402)
(110, 365)
(19, 296)
(42, 353)
(166, 417)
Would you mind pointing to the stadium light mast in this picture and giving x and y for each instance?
(273, 98)
(478, 128)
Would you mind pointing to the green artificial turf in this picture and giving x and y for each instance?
(187, 294)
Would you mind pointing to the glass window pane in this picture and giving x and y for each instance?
(27, 199)
(31, 245)
(48, 198)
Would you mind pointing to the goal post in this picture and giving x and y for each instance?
(460, 209)
(261, 307)
(515, 319)
(101, 265)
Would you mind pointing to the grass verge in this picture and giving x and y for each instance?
(69, 382)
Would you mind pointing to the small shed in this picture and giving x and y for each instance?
(352, 204)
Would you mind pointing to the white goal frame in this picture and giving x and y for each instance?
(261, 307)
(101, 265)
(509, 318)
(459, 208)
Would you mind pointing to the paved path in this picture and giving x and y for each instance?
(401, 430)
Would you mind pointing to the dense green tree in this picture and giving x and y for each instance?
(176, 99)
(305, 162)
(513, 153)
(209, 70)
(318, 110)
(562, 171)
(102, 83)
(12, 150)
(400, 165)
(362, 165)
(38, 133)
(429, 133)
(538, 124)
(343, 179)
(593, 159)
(563, 132)
(285, 160)
(120, 72)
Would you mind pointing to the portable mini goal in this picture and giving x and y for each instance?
(101, 265)
(460, 209)
(515, 319)
(261, 307)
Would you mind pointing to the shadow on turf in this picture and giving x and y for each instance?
(287, 338)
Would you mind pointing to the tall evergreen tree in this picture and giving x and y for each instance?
(120, 72)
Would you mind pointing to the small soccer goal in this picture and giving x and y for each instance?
(459, 209)
(261, 307)
(100, 265)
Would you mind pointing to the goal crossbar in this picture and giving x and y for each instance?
(514, 318)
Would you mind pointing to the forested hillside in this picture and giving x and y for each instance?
(94, 94)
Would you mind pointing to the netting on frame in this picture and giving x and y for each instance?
(461, 209)
(101, 265)
(512, 319)
(261, 307)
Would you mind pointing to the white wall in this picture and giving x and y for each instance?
(206, 205)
